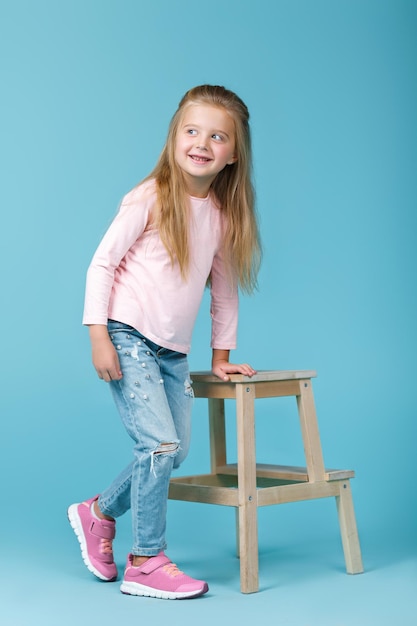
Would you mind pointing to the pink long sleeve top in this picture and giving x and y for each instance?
(131, 278)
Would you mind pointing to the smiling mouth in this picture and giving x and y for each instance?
(199, 159)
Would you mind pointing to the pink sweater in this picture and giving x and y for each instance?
(131, 279)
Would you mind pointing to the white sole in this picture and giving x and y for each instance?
(136, 589)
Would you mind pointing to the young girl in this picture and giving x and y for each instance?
(190, 223)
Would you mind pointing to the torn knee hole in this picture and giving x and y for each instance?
(164, 448)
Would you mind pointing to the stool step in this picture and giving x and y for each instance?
(287, 472)
(224, 489)
(207, 488)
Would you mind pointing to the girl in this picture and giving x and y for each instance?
(190, 222)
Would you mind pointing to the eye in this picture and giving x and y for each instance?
(217, 137)
(191, 131)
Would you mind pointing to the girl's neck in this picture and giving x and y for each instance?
(199, 197)
(198, 188)
(196, 192)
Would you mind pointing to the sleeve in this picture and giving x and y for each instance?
(224, 306)
(128, 225)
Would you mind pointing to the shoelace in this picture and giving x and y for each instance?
(172, 570)
(106, 546)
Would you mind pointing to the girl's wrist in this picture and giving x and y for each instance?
(219, 356)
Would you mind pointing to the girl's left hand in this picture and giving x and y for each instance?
(222, 369)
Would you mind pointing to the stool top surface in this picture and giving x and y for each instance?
(260, 376)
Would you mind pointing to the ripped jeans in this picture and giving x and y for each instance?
(154, 399)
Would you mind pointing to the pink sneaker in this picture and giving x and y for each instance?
(158, 577)
(95, 537)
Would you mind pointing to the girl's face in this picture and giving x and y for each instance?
(205, 144)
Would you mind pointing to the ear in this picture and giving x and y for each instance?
(232, 160)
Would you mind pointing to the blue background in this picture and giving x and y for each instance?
(87, 91)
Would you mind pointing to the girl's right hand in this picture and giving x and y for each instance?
(105, 359)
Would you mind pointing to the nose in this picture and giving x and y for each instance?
(201, 143)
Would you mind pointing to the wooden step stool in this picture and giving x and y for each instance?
(248, 484)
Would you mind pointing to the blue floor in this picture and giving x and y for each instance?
(302, 576)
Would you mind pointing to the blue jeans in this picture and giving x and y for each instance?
(154, 399)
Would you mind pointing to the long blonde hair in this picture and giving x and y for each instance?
(232, 189)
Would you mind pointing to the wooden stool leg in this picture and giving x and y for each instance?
(237, 532)
(218, 452)
(217, 431)
(246, 459)
(348, 529)
(310, 432)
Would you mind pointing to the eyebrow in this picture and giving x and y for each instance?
(214, 131)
